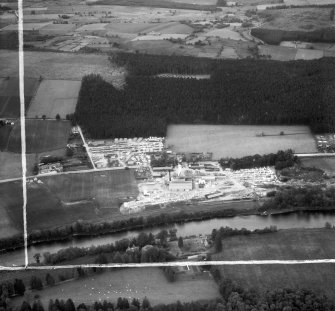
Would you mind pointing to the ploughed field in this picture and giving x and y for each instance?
(237, 141)
(131, 283)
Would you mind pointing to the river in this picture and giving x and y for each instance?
(282, 221)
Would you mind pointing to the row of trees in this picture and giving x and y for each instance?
(240, 92)
(143, 248)
(280, 160)
(308, 197)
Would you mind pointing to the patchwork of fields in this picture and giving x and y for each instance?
(55, 97)
(239, 141)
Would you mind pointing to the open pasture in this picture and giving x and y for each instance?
(55, 97)
(10, 95)
(287, 244)
(41, 135)
(63, 199)
(131, 283)
(225, 33)
(299, 244)
(303, 19)
(92, 27)
(239, 140)
(274, 52)
(105, 187)
(58, 66)
(308, 54)
(326, 164)
(11, 212)
(135, 28)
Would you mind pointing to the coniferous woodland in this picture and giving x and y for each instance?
(248, 92)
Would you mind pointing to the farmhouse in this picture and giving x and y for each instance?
(50, 168)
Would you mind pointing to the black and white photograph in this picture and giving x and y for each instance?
(167, 155)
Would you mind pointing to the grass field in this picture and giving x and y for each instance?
(94, 196)
(135, 28)
(305, 19)
(325, 164)
(55, 97)
(130, 283)
(284, 244)
(275, 52)
(10, 97)
(287, 244)
(59, 66)
(11, 211)
(41, 136)
(238, 141)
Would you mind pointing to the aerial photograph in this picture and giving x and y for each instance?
(186, 134)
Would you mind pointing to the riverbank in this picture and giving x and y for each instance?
(180, 214)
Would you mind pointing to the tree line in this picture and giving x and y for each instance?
(143, 248)
(280, 160)
(239, 92)
(301, 198)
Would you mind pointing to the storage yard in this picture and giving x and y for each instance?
(207, 182)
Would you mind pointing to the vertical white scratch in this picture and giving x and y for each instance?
(23, 130)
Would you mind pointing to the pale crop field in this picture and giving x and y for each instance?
(225, 33)
(58, 66)
(239, 140)
(92, 27)
(130, 283)
(309, 54)
(135, 28)
(55, 97)
(282, 53)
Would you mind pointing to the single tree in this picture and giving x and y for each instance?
(49, 280)
(57, 117)
(180, 242)
(37, 258)
(218, 243)
(19, 287)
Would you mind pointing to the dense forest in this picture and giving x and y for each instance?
(238, 92)
(139, 64)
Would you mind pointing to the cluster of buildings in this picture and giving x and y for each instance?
(50, 168)
(206, 182)
(325, 143)
(125, 152)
